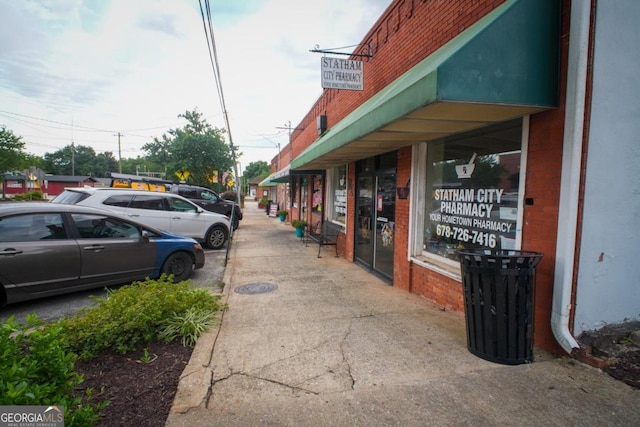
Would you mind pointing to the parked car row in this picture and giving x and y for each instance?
(209, 200)
(94, 237)
(165, 211)
(201, 196)
(53, 248)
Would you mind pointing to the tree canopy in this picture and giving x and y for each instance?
(79, 160)
(12, 155)
(259, 168)
(193, 152)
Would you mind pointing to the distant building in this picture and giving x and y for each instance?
(49, 185)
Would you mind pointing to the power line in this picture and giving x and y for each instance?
(53, 121)
(213, 57)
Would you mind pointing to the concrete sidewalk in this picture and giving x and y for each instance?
(333, 345)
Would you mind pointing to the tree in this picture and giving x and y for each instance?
(70, 160)
(12, 155)
(142, 166)
(197, 148)
(104, 163)
(259, 168)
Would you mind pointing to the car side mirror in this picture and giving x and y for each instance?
(145, 234)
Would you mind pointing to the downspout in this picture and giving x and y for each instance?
(571, 173)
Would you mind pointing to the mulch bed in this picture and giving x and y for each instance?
(626, 369)
(140, 394)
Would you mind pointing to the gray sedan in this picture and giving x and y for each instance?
(49, 249)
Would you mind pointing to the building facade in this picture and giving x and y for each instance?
(502, 125)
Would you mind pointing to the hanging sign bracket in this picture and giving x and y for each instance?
(317, 49)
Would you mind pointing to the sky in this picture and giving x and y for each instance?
(84, 71)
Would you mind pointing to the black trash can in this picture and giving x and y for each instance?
(498, 298)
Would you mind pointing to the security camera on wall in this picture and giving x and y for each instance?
(322, 124)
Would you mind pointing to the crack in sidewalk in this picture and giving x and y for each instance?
(293, 388)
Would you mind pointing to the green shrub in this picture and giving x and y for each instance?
(134, 315)
(35, 368)
(31, 195)
(188, 326)
(299, 223)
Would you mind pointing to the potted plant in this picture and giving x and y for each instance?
(282, 215)
(299, 225)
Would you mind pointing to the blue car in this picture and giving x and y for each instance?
(50, 249)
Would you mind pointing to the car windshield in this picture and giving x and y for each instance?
(68, 197)
(208, 195)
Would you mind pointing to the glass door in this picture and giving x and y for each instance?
(385, 217)
(364, 220)
(375, 222)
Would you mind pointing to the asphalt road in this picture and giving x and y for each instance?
(52, 308)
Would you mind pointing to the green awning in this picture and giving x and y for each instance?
(277, 177)
(502, 67)
(282, 175)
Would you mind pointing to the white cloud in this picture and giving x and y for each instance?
(133, 66)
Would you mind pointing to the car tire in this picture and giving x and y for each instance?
(216, 237)
(180, 265)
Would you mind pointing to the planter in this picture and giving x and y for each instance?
(282, 218)
(300, 232)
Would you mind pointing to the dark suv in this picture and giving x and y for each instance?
(209, 200)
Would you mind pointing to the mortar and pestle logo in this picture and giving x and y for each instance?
(465, 171)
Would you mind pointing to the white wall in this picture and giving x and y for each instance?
(608, 288)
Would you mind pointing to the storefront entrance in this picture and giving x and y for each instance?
(375, 218)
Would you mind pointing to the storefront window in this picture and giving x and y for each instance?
(472, 191)
(304, 191)
(294, 192)
(316, 200)
(338, 194)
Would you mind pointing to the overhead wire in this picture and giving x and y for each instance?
(213, 57)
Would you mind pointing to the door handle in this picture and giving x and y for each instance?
(94, 248)
(10, 252)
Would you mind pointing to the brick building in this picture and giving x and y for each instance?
(484, 124)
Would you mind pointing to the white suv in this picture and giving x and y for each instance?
(164, 211)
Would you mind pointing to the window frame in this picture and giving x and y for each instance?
(333, 177)
(416, 254)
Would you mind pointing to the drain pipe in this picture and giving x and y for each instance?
(571, 174)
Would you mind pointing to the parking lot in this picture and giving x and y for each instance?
(53, 308)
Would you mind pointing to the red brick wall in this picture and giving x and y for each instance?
(440, 289)
(409, 31)
(401, 265)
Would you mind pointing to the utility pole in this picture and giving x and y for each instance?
(73, 159)
(73, 152)
(288, 127)
(119, 154)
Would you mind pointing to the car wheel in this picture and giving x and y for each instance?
(180, 265)
(216, 237)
